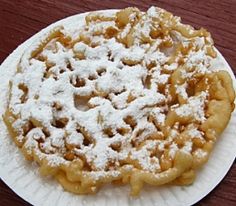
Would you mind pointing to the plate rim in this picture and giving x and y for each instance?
(27, 43)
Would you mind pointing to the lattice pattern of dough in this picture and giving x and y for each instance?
(126, 98)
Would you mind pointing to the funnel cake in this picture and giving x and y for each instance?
(127, 98)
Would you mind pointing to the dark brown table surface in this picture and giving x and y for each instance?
(20, 19)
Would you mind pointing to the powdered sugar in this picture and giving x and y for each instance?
(173, 149)
(187, 147)
(181, 90)
(97, 89)
(194, 107)
(98, 175)
(195, 133)
(143, 156)
(126, 30)
(200, 153)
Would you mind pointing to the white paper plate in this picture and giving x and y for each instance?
(23, 178)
